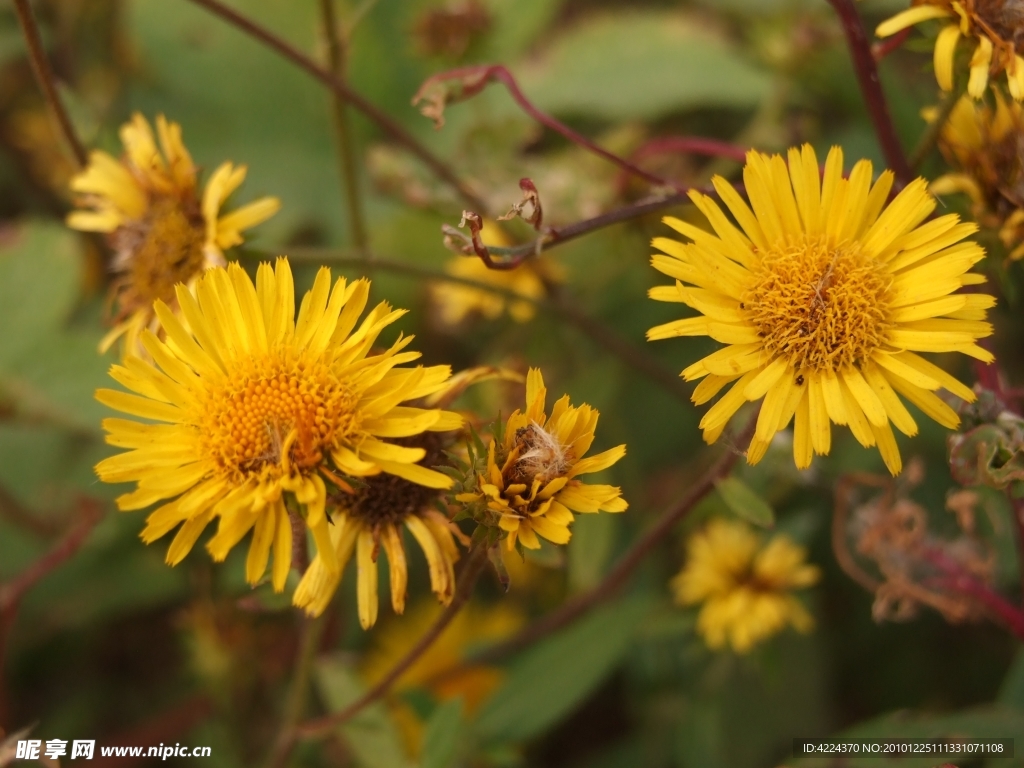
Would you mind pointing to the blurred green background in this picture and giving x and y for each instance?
(118, 647)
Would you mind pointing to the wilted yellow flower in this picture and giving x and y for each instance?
(254, 407)
(161, 232)
(457, 302)
(374, 513)
(373, 516)
(824, 294)
(531, 477)
(745, 587)
(995, 26)
(986, 146)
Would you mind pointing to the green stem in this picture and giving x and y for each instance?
(337, 53)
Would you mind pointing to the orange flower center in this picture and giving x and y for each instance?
(823, 308)
(275, 415)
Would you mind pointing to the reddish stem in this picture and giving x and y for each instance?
(47, 80)
(341, 89)
(469, 81)
(690, 145)
(871, 89)
(12, 592)
(883, 48)
(957, 580)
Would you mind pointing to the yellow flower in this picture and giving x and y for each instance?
(824, 294)
(442, 669)
(531, 478)
(983, 144)
(255, 407)
(744, 586)
(373, 517)
(161, 232)
(456, 302)
(994, 24)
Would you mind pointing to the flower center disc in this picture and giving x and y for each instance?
(162, 250)
(386, 499)
(821, 307)
(541, 456)
(272, 411)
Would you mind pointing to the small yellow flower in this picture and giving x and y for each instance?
(161, 231)
(373, 517)
(457, 302)
(531, 477)
(744, 587)
(823, 295)
(254, 408)
(984, 145)
(995, 26)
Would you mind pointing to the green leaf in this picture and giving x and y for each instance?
(371, 734)
(641, 65)
(745, 502)
(593, 537)
(548, 681)
(442, 735)
(39, 278)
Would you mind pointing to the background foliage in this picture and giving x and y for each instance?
(116, 646)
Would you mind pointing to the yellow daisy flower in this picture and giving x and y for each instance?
(161, 232)
(996, 26)
(824, 295)
(744, 585)
(984, 145)
(372, 517)
(457, 302)
(531, 477)
(254, 409)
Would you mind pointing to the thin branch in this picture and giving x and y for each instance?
(871, 88)
(471, 570)
(295, 706)
(633, 356)
(47, 81)
(686, 145)
(16, 512)
(11, 592)
(619, 575)
(956, 579)
(690, 145)
(388, 125)
(337, 52)
(513, 256)
(462, 83)
(882, 48)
